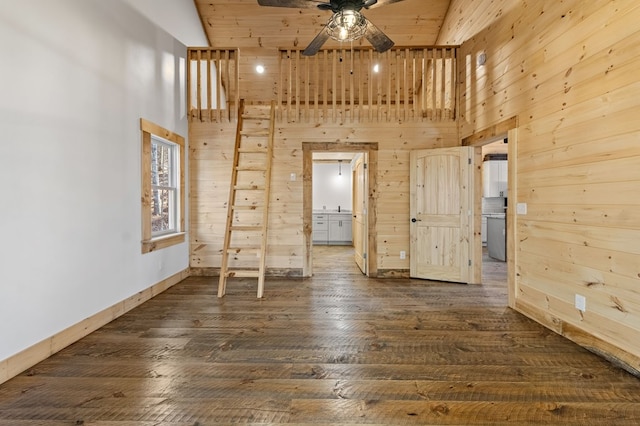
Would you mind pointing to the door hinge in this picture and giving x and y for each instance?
(469, 262)
(364, 256)
(469, 160)
(365, 166)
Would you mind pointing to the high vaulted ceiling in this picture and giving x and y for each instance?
(243, 23)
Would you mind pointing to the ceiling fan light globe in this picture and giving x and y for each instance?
(346, 25)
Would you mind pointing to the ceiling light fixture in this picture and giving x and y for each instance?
(260, 69)
(346, 25)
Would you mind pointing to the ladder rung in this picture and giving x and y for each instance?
(246, 228)
(259, 132)
(249, 187)
(251, 207)
(243, 273)
(262, 150)
(243, 250)
(252, 168)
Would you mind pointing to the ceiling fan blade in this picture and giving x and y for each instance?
(316, 43)
(377, 38)
(372, 4)
(296, 4)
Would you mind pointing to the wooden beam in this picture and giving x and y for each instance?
(486, 135)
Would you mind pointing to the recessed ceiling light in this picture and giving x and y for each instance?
(260, 69)
(376, 68)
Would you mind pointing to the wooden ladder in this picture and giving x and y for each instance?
(248, 206)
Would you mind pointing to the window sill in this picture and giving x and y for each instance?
(164, 241)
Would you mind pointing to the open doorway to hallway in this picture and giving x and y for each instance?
(352, 225)
(337, 227)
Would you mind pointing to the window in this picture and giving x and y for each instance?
(162, 187)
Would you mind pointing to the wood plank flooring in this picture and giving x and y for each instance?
(334, 349)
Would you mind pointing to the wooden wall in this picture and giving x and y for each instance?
(569, 72)
(211, 153)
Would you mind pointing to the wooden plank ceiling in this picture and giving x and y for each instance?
(245, 24)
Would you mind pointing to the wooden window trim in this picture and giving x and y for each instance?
(150, 243)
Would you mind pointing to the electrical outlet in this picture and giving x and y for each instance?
(521, 208)
(581, 303)
(403, 254)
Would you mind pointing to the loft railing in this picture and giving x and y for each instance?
(335, 85)
(212, 84)
(359, 84)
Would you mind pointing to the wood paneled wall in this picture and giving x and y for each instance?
(569, 72)
(211, 154)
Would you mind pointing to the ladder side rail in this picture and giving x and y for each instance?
(222, 285)
(267, 192)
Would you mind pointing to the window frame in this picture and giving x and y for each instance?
(152, 242)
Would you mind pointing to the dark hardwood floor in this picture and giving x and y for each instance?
(334, 349)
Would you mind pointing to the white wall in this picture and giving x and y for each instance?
(330, 189)
(178, 17)
(76, 77)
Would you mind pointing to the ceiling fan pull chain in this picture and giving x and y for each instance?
(351, 70)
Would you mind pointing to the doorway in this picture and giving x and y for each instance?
(495, 202)
(506, 129)
(367, 238)
(337, 226)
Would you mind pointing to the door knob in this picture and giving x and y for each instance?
(414, 220)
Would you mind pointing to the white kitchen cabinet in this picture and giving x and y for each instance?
(320, 228)
(483, 233)
(340, 228)
(494, 178)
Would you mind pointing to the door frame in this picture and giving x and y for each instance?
(506, 128)
(369, 148)
(365, 207)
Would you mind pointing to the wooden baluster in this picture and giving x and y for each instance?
(423, 84)
(316, 87)
(227, 78)
(189, 82)
(237, 79)
(199, 86)
(289, 84)
(343, 84)
(209, 98)
(307, 73)
(372, 77)
(360, 82)
(389, 81)
(433, 84)
(443, 83)
(281, 83)
(385, 68)
(297, 80)
(325, 83)
(334, 73)
(398, 78)
(454, 86)
(352, 87)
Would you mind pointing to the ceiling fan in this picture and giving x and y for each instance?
(346, 23)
